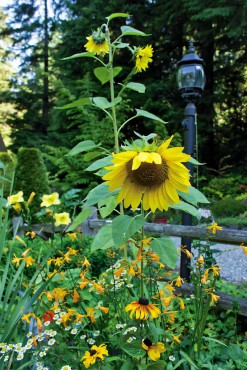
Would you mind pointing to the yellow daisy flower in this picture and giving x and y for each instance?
(62, 218)
(214, 227)
(142, 309)
(50, 200)
(97, 43)
(143, 57)
(96, 352)
(15, 198)
(153, 350)
(214, 298)
(153, 176)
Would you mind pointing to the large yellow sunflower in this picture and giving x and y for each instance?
(153, 350)
(142, 309)
(153, 175)
(90, 357)
(143, 57)
(97, 43)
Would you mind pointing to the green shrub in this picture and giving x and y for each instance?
(31, 176)
(228, 208)
(232, 185)
(9, 167)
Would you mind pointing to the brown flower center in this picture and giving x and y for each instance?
(147, 342)
(144, 301)
(92, 352)
(148, 174)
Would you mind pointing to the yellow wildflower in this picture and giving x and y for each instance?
(214, 227)
(142, 309)
(29, 260)
(214, 297)
(244, 248)
(153, 350)
(62, 218)
(50, 200)
(15, 198)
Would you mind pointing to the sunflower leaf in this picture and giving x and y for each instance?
(124, 227)
(98, 193)
(102, 162)
(80, 55)
(103, 75)
(166, 250)
(83, 215)
(194, 161)
(117, 15)
(103, 239)
(77, 103)
(136, 86)
(83, 146)
(186, 207)
(126, 30)
(194, 196)
(103, 103)
(107, 205)
(144, 113)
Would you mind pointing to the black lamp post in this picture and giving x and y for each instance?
(191, 82)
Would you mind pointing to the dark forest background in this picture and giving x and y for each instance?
(38, 34)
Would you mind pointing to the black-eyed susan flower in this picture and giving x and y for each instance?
(142, 309)
(153, 174)
(143, 56)
(62, 218)
(97, 43)
(50, 200)
(153, 350)
(95, 353)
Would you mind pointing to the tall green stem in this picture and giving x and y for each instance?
(112, 92)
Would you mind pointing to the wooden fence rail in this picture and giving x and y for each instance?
(226, 236)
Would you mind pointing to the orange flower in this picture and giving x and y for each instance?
(201, 260)
(214, 297)
(90, 313)
(76, 296)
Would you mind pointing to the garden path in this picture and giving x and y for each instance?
(231, 259)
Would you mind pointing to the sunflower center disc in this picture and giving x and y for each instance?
(148, 174)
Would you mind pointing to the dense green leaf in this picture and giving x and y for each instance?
(106, 161)
(194, 161)
(80, 55)
(98, 193)
(144, 113)
(83, 215)
(83, 146)
(77, 103)
(166, 250)
(91, 155)
(103, 103)
(103, 75)
(124, 227)
(136, 86)
(107, 205)
(117, 15)
(126, 30)
(188, 359)
(103, 239)
(186, 207)
(194, 196)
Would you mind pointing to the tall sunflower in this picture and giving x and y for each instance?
(97, 43)
(143, 56)
(151, 174)
(142, 309)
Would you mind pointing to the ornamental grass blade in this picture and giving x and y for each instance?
(188, 359)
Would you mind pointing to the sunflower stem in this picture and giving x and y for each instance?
(112, 92)
(142, 238)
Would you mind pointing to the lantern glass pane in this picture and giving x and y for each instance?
(191, 77)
